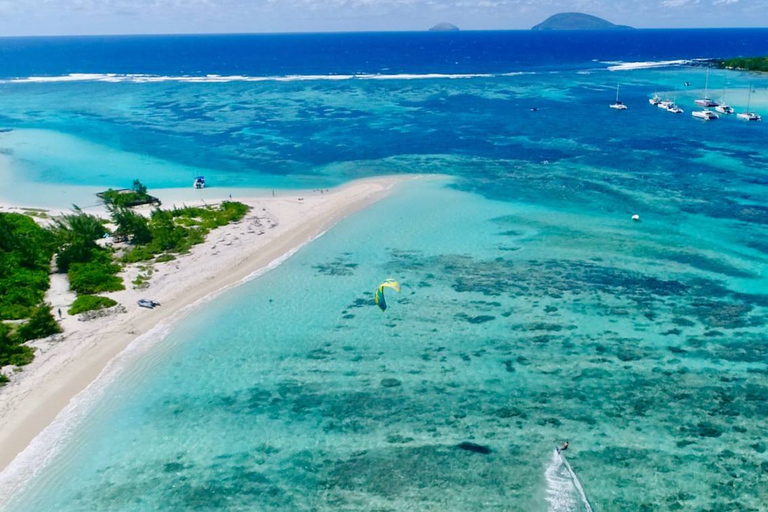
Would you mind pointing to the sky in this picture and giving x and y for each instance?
(80, 17)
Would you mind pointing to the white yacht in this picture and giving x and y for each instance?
(618, 105)
(749, 116)
(724, 109)
(655, 100)
(706, 101)
(664, 104)
(706, 115)
(674, 109)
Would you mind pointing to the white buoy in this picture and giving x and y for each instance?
(636, 218)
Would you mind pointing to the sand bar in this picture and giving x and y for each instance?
(66, 365)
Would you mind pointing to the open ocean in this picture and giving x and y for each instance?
(533, 309)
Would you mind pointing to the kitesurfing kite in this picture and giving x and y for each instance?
(379, 297)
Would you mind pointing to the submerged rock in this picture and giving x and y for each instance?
(390, 382)
(475, 448)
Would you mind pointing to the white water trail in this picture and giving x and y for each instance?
(564, 490)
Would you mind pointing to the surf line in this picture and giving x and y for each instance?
(576, 482)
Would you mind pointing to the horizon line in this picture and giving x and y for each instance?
(331, 32)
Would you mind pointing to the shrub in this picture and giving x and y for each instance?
(3, 379)
(142, 253)
(165, 257)
(90, 303)
(131, 226)
(95, 277)
(40, 325)
(126, 198)
(76, 234)
(25, 255)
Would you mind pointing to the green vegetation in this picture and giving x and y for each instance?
(26, 250)
(745, 63)
(89, 267)
(11, 350)
(76, 236)
(90, 303)
(126, 198)
(97, 275)
(142, 280)
(177, 230)
(40, 325)
(130, 226)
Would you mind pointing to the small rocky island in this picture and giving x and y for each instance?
(577, 21)
(444, 27)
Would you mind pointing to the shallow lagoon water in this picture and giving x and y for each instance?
(517, 327)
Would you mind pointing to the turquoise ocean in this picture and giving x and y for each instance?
(533, 309)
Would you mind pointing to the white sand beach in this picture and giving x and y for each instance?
(68, 363)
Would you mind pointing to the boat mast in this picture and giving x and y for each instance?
(706, 84)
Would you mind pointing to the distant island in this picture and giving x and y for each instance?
(577, 21)
(444, 27)
(745, 64)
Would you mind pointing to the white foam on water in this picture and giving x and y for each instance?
(46, 445)
(143, 78)
(564, 491)
(630, 66)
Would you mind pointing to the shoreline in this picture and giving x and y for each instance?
(67, 364)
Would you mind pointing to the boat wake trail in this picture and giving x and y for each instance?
(564, 491)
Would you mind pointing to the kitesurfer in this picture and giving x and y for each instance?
(563, 447)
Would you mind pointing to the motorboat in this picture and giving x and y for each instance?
(199, 182)
(655, 100)
(706, 115)
(146, 303)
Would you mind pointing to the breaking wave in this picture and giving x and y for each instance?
(144, 78)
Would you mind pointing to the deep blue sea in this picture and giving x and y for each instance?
(533, 309)
(351, 53)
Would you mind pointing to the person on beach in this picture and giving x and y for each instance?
(563, 447)
(59, 313)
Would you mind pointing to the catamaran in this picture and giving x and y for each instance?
(723, 107)
(706, 115)
(617, 104)
(674, 109)
(749, 116)
(706, 101)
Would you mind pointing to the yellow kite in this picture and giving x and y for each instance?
(379, 297)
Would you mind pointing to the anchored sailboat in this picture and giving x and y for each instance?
(618, 105)
(706, 101)
(723, 107)
(749, 116)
